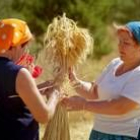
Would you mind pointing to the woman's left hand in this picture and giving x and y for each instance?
(47, 90)
(74, 103)
(46, 87)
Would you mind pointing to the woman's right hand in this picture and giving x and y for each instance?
(72, 75)
(74, 103)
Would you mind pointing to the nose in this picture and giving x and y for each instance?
(122, 46)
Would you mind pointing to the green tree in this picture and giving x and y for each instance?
(96, 15)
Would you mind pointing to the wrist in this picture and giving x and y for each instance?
(76, 83)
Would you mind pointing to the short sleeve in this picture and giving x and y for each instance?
(111, 65)
(131, 89)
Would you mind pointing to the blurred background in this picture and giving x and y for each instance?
(97, 16)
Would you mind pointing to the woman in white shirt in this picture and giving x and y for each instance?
(115, 95)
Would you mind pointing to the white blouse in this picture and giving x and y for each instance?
(111, 87)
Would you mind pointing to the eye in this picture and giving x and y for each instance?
(126, 43)
(24, 44)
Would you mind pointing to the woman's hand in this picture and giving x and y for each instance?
(46, 87)
(72, 75)
(74, 103)
(49, 83)
(47, 91)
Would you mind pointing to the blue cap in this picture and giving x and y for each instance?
(134, 28)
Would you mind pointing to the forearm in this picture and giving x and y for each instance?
(103, 107)
(113, 107)
(45, 87)
(85, 89)
(41, 85)
(51, 105)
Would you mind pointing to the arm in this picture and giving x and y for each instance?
(87, 90)
(45, 84)
(46, 87)
(28, 92)
(118, 106)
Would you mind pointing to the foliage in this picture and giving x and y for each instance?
(96, 15)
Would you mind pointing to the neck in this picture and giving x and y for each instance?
(6, 55)
(131, 64)
(125, 67)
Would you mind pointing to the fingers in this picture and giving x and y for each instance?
(96, 90)
(70, 70)
(72, 75)
(65, 103)
(49, 82)
(74, 103)
(46, 90)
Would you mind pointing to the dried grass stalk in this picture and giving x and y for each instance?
(66, 45)
(58, 128)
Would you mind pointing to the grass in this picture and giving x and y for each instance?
(80, 130)
(80, 125)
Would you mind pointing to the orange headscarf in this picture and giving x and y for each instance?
(13, 32)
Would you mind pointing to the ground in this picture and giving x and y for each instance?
(80, 125)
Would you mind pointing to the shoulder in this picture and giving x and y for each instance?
(137, 70)
(115, 61)
(24, 80)
(12, 68)
(136, 73)
(24, 74)
(134, 77)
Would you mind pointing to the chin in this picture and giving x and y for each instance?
(122, 58)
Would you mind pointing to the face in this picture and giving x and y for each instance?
(128, 48)
(17, 52)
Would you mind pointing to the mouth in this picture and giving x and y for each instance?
(122, 53)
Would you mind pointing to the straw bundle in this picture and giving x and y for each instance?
(66, 45)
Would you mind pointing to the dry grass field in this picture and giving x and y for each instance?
(80, 124)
